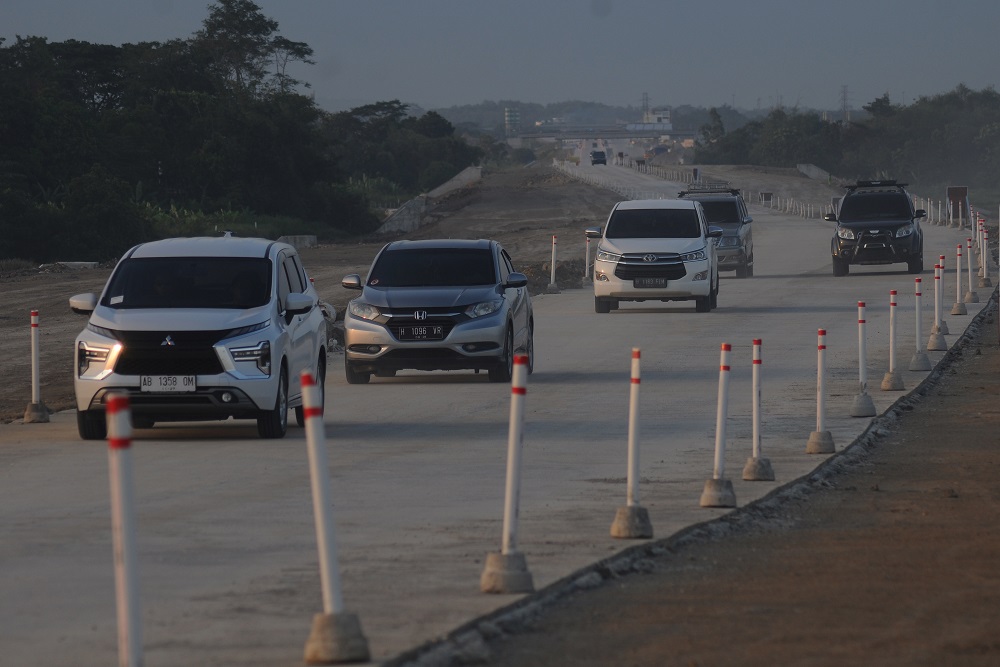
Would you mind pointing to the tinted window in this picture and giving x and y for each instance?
(653, 223)
(863, 207)
(190, 282)
(433, 267)
(721, 212)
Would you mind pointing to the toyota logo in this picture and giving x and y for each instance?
(649, 258)
(420, 315)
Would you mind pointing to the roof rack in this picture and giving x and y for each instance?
(875, 184)
(716, 187)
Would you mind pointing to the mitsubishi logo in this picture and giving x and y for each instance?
(420, 315)
(649, 258)
(168, 341)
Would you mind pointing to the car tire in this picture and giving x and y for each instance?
(702, 304)
(915, 265)
(602, 305)
(142, 422)
(354, 376)
(300, 411)
(273, 423)
(713, 298)
(741, 271)
(504, 369)
(841, 267)
(92, 424)
(530, 348)
(750, 268)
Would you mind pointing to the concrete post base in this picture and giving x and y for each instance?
(942, 329)
(892, 381)
(959, 309)
(920, 362)
(631, 522)
(718, 493)
(336, 638)
(552, 289)
(506, 573)
(820, 442)
(985, 282)
(758, 470)
(36, 413)
(936, 343)
(863, 406)
(971, 297)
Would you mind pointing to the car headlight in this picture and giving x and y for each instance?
(729, 241)
(362, 310)
(694, 256)
(259, 354)
(905, 230)
(605, 256)
(483, 308)
(845, 233)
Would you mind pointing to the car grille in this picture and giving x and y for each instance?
(668, 266)
(146, 353)
(397, 323)
(445, 317)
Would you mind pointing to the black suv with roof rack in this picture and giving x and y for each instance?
(724, 207)
(877, 224)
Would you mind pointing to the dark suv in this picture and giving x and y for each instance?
(724, 207)
(598, 157)
(876, 224)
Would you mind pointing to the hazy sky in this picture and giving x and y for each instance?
(440, 53)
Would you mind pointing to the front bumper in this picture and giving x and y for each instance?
(694, 282)
(877, 249)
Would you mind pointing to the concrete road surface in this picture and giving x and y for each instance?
(228, 571)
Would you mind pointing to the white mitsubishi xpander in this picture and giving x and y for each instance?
(201, 329)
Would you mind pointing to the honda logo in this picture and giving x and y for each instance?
(168, 341)
(420, 315)
(649, 258)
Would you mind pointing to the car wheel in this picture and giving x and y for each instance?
(750, 268)
(504, 369)
(353, 376)
(741, 271)
(273, 423)
(601, 305)
(531, 349)
(702, 304)
(915, 265)
(713, 298)
(840, 267)
(142, 422)
(300, 412)
(92, 424)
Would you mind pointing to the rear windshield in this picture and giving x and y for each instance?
(875, 206)
(433, 267)
(653, 223)
(721, 212)
(190, 282)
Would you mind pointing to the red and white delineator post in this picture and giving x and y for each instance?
(553, 288)
(971, 296)
(919, 361)
(863, 405)
(820, 441)
(36, 412)
(936, 342)
(586, 259)
(718, 491)
(632, 520)
(985, 259)
(507, 571)
(893, 379)
(119, 420)
(941, 326)
(335, 635)
(959, 307)
(757, 468)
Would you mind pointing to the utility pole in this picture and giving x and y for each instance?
(845, 105)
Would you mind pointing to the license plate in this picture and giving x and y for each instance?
(649, 282)
(428, 332)
(167, 383)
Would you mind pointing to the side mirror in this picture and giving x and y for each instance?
(351, 281)
(920, 213)
(516, 280)
(593, 232)
(714, 231)
(298, 303)
(830, 217)
(83, 304)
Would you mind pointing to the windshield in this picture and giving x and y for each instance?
(433, 267)
(653, 223)
(876, 206)
(721, 212)
(190, 282)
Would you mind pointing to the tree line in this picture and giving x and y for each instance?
(104, 146)
(935, 142)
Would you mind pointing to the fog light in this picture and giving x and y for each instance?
(602, 278)
(227, 397)
(701, 275)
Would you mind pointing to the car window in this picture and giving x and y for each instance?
(653, 223)
(506, 268)
(722, 212)
(293, 274)
(190, 282)
(864, 207)
(433, 267)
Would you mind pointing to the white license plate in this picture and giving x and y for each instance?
(167, 383)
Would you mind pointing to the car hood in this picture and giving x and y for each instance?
(628, 246)
(176, 319)
(888, 223)
(427, 297)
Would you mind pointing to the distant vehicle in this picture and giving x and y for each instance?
(598, 157)
(201, 329)
(438, 305)
(724, 206)
(656, 250)
(877, 224)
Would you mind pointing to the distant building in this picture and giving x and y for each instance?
(511, 121)
(654, 120)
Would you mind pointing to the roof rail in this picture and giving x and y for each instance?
(702, 187)
(875, 184)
